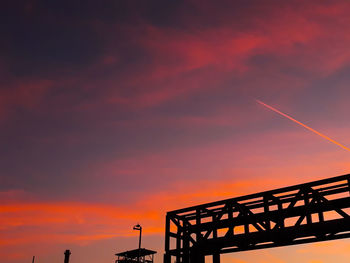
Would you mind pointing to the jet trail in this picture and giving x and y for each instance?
(302, 124)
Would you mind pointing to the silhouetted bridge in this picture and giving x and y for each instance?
(310, 212)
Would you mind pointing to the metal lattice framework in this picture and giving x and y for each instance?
(310, 212)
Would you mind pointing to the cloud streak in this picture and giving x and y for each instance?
(304, 125)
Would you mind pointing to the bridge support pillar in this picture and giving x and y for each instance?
(216, 258)
(167, 258)
(197, 257)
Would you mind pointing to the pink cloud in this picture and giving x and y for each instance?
(27, 95)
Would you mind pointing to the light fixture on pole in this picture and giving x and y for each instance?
(139, 228)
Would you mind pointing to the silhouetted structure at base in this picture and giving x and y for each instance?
(66, 256)
(304, 213)
(146, 256)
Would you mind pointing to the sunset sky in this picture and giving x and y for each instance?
(114, 112)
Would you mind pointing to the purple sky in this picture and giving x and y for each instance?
(114, 112)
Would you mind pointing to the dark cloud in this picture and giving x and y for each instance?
(44, 43)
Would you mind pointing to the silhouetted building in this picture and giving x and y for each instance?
(145, 255)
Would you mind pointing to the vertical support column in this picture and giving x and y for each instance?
(196, 256)
(280, 208)
(167, 256)
(266, 211)
(320, 217)
(246, 228)
(198, 225)
(307, 202)
(179, 236)
(216, 257)
(186, 244)
(230, 218)
(215, 228)
(319, 204)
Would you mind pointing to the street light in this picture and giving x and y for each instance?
(139, 228)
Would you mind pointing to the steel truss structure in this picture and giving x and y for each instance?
(310, 212)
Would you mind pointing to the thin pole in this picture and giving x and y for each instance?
(140, 238)
(33, 259)
(138, 258)
(139, 228)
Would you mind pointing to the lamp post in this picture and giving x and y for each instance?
(139, 228)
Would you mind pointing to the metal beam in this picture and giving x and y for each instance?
(304, 213)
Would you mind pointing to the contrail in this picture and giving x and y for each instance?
(302, 124)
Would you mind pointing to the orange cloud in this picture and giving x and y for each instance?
(49, 223)
(39, 221)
